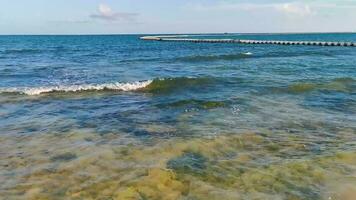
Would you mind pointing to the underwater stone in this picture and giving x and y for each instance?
(64, 157)
(189, 162)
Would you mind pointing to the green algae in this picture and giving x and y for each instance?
(163, 86)
(346, 85)
(273, 147)
(157, 184)
(302, 87)
(201, 104)
(229, 166)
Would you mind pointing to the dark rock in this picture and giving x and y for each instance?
(188, 163)
(64, 157)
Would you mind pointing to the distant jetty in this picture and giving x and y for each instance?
(183, 38)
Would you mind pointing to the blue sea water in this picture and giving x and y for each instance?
(63, 99)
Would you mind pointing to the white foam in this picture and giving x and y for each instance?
(248, 53)
(77, 88)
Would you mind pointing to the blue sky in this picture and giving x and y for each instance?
(175, 16)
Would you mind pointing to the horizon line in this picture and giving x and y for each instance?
(220, 33)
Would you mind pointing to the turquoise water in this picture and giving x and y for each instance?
(115, 117)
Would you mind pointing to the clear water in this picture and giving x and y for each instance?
(114, 117)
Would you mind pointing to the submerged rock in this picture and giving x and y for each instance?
(188, 163)
(64, 157)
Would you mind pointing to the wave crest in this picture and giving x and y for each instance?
(79, 88)
(156, 86)
(21, 51)
(173, 84)
(202, 58)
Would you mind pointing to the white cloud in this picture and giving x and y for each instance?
(106, 13)
(298, 9)
(105, 10)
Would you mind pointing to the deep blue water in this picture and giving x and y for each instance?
(121, 85)
(204, 72)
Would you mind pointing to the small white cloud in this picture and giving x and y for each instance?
(106, 13)
(295, 9)
(105, 10)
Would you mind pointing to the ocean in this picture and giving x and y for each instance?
(116, 117)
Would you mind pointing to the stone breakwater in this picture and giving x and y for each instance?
(273, 42)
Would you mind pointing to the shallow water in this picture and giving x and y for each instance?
(114, 117)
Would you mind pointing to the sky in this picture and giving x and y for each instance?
(175, 16)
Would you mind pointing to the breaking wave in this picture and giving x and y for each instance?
(78, 88)
(164, 85)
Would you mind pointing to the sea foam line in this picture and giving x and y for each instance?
(78, 88)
